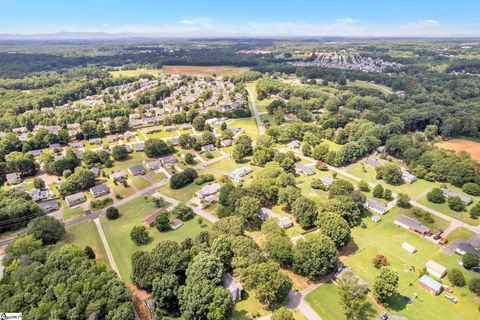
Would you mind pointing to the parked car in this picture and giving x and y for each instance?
(476, 269)
(437, 237)
(449, 297)
(448, 289)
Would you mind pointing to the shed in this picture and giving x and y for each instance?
(176, 223)
(409, 247)
(435, 269)
(432, 286)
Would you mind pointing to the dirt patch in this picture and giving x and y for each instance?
(458, 145)
(299, 282)
(138, 298)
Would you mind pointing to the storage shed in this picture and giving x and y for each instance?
(409, 247)
(435, 269)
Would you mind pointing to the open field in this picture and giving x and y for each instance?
(248, 124)
(134, 73)
(387, 238)
(460, 234)
(131, 214)
(182, 194)
(443, 208)
(368, 85)
(86, 234)
(457, 145)
(204, 70)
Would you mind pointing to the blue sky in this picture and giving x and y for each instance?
(246, 17)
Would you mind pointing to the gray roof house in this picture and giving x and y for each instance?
(74, 199)
(300, 168)
(411, 224)
(13, 178)
(99, 190)
(118, 176)
(234, 286)
(95, 171)
(375, 206)
(239, 173)
(226, 142)
(326, 181)
(168, 160)
(35, 153)
(139, 146)
(466, 247)
(153, 165)
(372, 162)
(38, 194)
(284, 222)
(49, 205)
(450, 193)
(54, 147)
(137, 170)
(207, 148)
(208, 190)
(294, 144)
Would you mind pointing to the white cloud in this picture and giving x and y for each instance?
(187, 22)
(347, 20)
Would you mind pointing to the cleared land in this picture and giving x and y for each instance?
(204, 70)
(134, 73)
(458, 145)
(368, 85)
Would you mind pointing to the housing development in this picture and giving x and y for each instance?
(155, 177)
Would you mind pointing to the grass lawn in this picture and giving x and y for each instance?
(387, 238)
(134, 73)
(131, 214)
(162, 134)
(248, 308)
(133, 159)
(443, 208)
(157, 176)
(325, 300)
(460, 234)
(183, 194)
(70, 213)
(86, 234)
(140, 182)
(438, 223)
(364, 172)
(332, 146)
(248, 124)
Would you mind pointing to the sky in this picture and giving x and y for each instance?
(243, 18)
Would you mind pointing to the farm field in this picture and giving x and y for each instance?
(387, 238)
(86, 234)
(204, 70)
(134, 73)
(131, 214)
(458, 145)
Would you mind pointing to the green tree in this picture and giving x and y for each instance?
(456, 204)
(183, 212)
(335, 227)
(378, 191)
(282, 313)
(199, 123)
(205, 266)
(315, 257)
(305, 211)
(288, 195)
(470, 260)
(47, 229)
(38, 183)
(387, 194)
(243, 148)
(363, 186)
(471, 189)
(156, 148)
(119, 153)
(340, 187)
(474, 286)
(139, 235)
(385, 284)
(112, 213)
(189, 158)
(165, 292)
(248, 207)
(390, 173)
(162, 222)
(352, 295)
(403, 200)
(436, 196)
(475, 211)
(456, 278)
(90, 253)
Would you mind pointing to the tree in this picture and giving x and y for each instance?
(387, 194)
(162, 222)
(390, 173)
(474, 286)
(335, 227)
(456, 277)
(385, 284)
(139, 235)
(352, 294)
(282, 313)
(248, 207)
(205, 266)
(112, 213)
(430, 132)
(38, 183)
(288, 195)
(46, 228)
(315, 257)
(470, 260)
(346, 207)
(165, 292)
(304, 211)
(243, 148)
(436, 196)
(183, 212)
(380, 261)
(119, 153)
(475, 211)
(89, 253)
(201, 300)
(340, 187)
(181, 179)
(456, 204)
(471, 189)
(199, 123)
(363, 186)
(403, 200)
(189, 159)
(156, 148)
(228, 226)
(378, 191)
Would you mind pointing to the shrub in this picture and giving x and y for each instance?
(112, 213)
(378, 191)
(100, 204)
(456, 277)
(183, 212)
(363, 186)
(474, 286)
(387, 194)
(181, 179)
(204, 178)
(380, 261)
(456, 204)
(470, 260)
(471, 189)
(139, 235)
(162, 222)
(403, 200)
(317, 184)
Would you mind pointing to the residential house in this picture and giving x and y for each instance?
(326, 181)
(118, 176)
(374, 163)
(239, 173)
(170, 128)
(96, 141)
(112, 138)
(207, 148)
(38, 195)
(432, 286)
(226, 142)
(48, 206)
(234, 286)
(175, 224)
(300, 168)
(185, 126)
(99, 190)
(137, 170)
(13, 178)
(74, 199)
(20, 130)
(407, 177)
(435, 269)
(375, 206)
(149, 220)
(466, 247)
(76, 144)
(411, 224)
(168, 160)
(208, 190)
(153, 165)
(294, 144)
(284, 222)
(35, 153)
(95, 171)
(55, 147)
(174, 141)
(450, 193)
(139, 146)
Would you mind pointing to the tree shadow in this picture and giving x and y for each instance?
(349, 249)
(396, 303)
(367, 311)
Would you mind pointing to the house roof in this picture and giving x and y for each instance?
(210, 189)
(450, 193)
(12, 176)
(101, 188)
(168, 159)
(176, 223)
(374, 162)
(74, 197)
(435, 266)
(48, 204)
(230, 283)
(240, 172)
(468, 248)
(151, 217)
(411, 223)
(118, 174)
(327, 180)
(306, 170)
(137, 169)
(429, 282)
(370, 203)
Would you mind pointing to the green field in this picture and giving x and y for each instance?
(331, 145)
(460, 234)
(367, 85)
(70, 213)
(134, 73)
(131, 214)
(184, 194)
(248, 124)
(443, 208)
(86, 234)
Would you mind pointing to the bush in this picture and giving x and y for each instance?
(204, 178)
(317, 184)
(475, 211)
(378, 191)
(112, 213)
(403, 200)
(471, 189)
(47, 229)
(183, 212)
(456, 204)
(139, 235)
(100, 204)
(179, 180)
(470, 260)
(436, 196)
(38, 183)
(387, 194)
(456, 277)
(380, 261)
(189, 159)
(363, 186)
(474, 286)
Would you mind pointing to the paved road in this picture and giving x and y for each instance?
(261, 127)
(113, 265)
